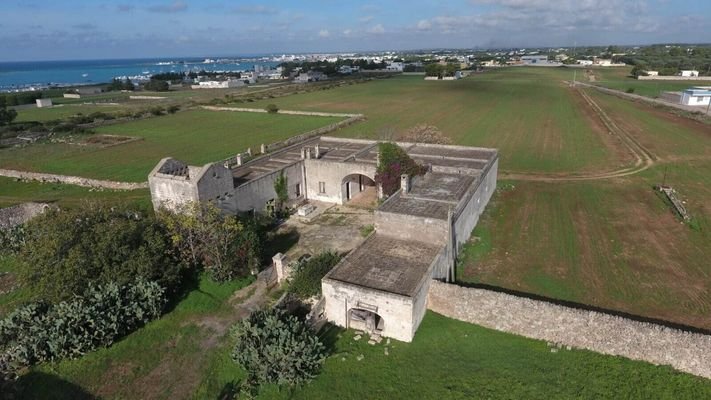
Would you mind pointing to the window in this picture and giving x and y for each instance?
(322, 187)
(298, 189)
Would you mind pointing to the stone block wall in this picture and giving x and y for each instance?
(395, 310)
(582, 329)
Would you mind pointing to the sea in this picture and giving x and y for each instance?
(25, 75)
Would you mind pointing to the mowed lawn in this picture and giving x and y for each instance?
(613, 244)
(195, 136)
(527, 113)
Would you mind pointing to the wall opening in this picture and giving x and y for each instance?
(358, 189)
(365, 320)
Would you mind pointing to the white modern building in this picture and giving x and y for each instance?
(696, 96)
(230, 83)
(44, 103)
(689, 73)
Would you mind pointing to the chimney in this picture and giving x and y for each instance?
(308, 153)
(239, 159)
(249, 151)
(405, 183)
(263, 148)
(303, 153)
(317, 152)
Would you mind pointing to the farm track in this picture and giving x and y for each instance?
(644, 159)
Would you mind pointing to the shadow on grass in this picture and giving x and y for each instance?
(586, 307)
(280, 242)
(328, 335)
(40, 385)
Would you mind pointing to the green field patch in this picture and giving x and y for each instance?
(611, 244)
(62, 112)
(196, 136)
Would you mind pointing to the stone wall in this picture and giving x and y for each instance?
(411, 227)
(466, 215)
(255, 194)
(673, 78)
(583, 329)
(396, 310)
(73, 180)
(331, 173)
(20, 214)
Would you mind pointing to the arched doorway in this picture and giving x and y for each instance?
(358, 189)
(365, 320)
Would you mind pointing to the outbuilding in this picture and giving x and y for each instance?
(44, 103)
(696, 96)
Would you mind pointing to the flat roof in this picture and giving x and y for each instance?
(388, 264)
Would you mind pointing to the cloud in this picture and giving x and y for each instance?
(366, 19)
(424, 25)
(376, 29)
(176, 6)
(124, 7)
(323, 33)
(347, 32)
(255, 9)
(85, 26)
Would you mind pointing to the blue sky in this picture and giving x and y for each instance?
(81, 29)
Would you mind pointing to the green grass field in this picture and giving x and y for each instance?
(449, 359)
(524, 112)
(13, 192)
(196, 136)
(61, 112)
(619, 78)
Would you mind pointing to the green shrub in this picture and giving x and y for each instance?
(157, 111)
(630, 90)
(40, 332)
(307, 275)
(12, 239)
(173, 109)
(366, 230)
(68, 250)
(274, 347)
(272, 108)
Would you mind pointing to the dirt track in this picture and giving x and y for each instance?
(643, 157)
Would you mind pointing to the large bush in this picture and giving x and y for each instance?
(12, 239)
(275, 347)
(66, 251)
(41, 332)
(393, 163)
(206, 238)
(307, 275)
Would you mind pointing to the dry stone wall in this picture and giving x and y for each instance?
(583, 329)
(72, 180)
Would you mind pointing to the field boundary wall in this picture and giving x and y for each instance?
(568, 327)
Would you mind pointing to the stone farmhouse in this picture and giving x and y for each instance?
(382, 285)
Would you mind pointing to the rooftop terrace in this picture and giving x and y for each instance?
(387, 264)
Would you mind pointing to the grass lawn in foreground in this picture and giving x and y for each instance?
(450, 359)
(527, 113)
(196, 137)
(141, 365)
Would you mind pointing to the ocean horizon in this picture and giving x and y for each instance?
(28, 75)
